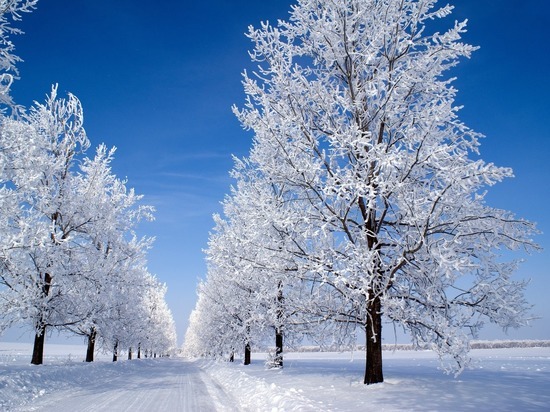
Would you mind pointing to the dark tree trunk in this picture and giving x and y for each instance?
(115, 352)
(232, 357)
(278, 361)
(38, 349)
(40, 336)
(247, 353)
(91, 345)
(129, 353)
(373, 332)
(139, 351)
(373, 368)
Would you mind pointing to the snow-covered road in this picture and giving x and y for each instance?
(166, 385)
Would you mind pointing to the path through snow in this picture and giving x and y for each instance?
(163, 385)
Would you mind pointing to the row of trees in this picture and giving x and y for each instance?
(69, 257)
(363, 196)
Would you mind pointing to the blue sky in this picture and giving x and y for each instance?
(157, 80)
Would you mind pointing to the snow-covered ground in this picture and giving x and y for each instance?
(501, 380)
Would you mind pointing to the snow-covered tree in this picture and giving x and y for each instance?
(69, 257)
(112, 249)
(246, 271)
(352, 108)
(10, 10)
(159, 329)
(40, 252)
(257, 287)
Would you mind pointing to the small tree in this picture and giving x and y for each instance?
(354, 116)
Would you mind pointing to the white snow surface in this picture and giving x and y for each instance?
(515, 379)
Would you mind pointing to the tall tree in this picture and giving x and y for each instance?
(353, 113)
(41, 253)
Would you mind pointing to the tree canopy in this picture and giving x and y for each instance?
(364, 187)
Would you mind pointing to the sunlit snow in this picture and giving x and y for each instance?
(501, 380)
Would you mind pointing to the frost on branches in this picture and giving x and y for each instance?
(69, 257)
(379, 186)
(10, 10)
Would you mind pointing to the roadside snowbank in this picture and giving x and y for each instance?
(254, 393)
(23, 384)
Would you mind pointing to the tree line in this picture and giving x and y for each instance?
(70, 259)
(363, 197)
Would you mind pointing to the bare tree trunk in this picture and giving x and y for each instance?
(38, 348)
(232, 356)
(115, 352)
(40, 336)
(91, 345)
(139, 351)
(130, 353)
(278, 360)
(247, 353)
(373, 327)
(373, 368)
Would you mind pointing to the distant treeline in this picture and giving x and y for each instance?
(478, 344)
(498, 344)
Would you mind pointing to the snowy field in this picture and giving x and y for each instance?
(501, 380)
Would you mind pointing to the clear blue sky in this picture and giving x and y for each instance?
(157, 80)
